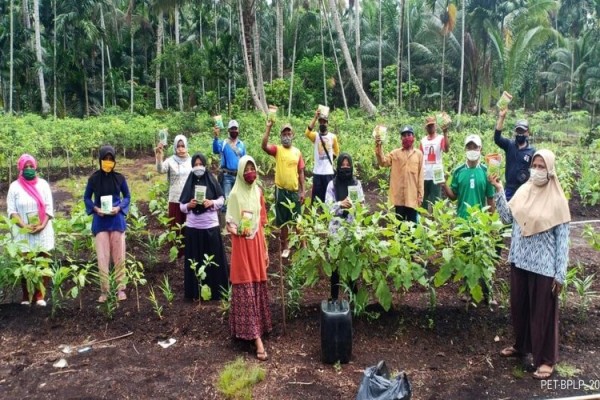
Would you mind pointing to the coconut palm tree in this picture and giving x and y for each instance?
(40, 59)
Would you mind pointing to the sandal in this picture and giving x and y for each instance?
(121, 295)
(102, 298)
(510, 352)
(543, 372)
(262, 355)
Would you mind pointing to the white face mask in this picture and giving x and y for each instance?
(539, 177)
(199, 170)
(473, 155)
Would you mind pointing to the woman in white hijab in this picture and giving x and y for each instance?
(539, 251)
(177, 167)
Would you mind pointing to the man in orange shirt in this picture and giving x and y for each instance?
(406, 178)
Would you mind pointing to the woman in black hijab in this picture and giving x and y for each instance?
(109, 205)
(201, 199)
(343, 192)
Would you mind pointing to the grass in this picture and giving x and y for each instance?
(238, 378)
(566, 370)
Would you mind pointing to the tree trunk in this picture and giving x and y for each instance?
(462, 63)
(292, 76)
(357, 40)
(260, 84)
(400, 57)
(25, 14)
(337, 64)
(103, 26)
(179, 85)
(246, 56)
(11, 62)
(279, 38)
(54, 79)
(39, 58)
(85, 89)
(408, 52)
(365, 103)
(131, 101)
(380, 66)
(323, 59)
(159, 39)
(442, 78)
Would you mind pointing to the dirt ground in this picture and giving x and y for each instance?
(448, 353)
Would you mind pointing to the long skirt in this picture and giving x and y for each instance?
(249, 314)
(199, 242)
(177, 217)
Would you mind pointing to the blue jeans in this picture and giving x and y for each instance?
(227, 185)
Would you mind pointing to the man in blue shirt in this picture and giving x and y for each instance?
(231, 150)
(518, 154)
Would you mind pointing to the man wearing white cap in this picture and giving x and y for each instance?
(231, 150)
(469, 181)
(518, 154)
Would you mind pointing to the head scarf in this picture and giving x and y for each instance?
(340, 184)
(104, 183)
(213, 189)
(539, 208)
(29, 186)
(244, 196)
(175, 142)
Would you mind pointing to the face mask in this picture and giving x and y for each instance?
(107, 165)
(345, 172)
(250, 177)
(199, 170)
(234, 134)
(29, 174)
(520, 139)
(473, 155)
(538, 177)
(407, 142)
(323, 128)
(286, 141)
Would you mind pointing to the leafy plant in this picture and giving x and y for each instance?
(166, 289)
(158, 309)
(134, 271)
(583, 287)
(200, 271)
(225, 304)
(109, 307)
(238, 378)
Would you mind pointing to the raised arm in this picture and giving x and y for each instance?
(500, 141)
(265, 139)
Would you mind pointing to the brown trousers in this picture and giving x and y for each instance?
(534, 312)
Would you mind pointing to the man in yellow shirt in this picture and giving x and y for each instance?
(406, 178)
(289, 180)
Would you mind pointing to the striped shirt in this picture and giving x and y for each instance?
(545, 253)
(18, 201)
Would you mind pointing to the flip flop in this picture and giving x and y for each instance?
(510, 352)
(543, 372)
(262, 355)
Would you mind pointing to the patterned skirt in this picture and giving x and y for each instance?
(249, 314)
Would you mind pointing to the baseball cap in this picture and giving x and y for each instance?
(429, 121)
(286, 126)
(473, 139)
(522, 124)
(407, 128)
(233, 124)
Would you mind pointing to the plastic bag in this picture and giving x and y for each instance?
(376, 385)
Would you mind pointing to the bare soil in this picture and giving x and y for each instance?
(450, 352)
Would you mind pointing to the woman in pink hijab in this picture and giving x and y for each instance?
(30, 206)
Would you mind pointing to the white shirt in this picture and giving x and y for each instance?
(18, 201)
(323, 166)
(178, 174)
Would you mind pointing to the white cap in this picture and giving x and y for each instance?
(233, 124)
(473, 138)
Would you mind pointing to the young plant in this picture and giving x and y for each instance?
(226, 295)
(109, 307)
(238, 378)
(158, 309)
(166, 289)
(200, 271)
(134, 273)
(583, 287)
(60, 275)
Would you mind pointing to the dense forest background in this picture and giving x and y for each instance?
(89, 57)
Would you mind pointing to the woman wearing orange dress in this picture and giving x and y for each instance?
(249, 314)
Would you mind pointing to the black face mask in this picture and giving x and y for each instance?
(520, 139)
(323, 128)
(344, 173)
(234, 134)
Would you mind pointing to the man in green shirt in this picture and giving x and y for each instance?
(469, 181)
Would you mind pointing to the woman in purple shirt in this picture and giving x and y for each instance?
(108, 223)
(202, 234)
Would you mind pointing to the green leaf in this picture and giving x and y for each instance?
(443, 274)
(384, 296)
(205, 292)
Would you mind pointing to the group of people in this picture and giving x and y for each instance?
(532, 201)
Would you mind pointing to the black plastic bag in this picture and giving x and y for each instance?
(376, 385)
